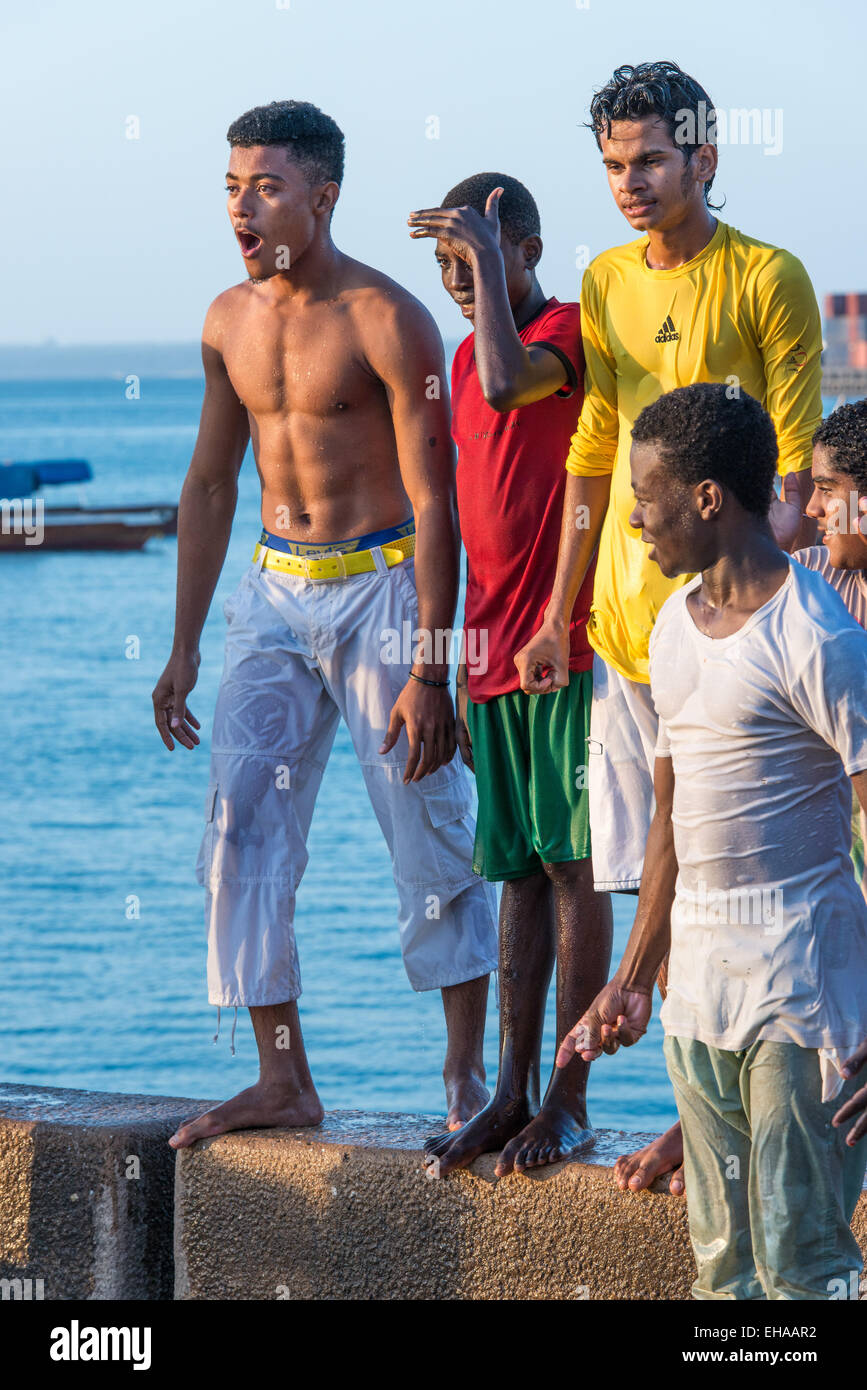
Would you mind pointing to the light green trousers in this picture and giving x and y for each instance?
(771, 1186)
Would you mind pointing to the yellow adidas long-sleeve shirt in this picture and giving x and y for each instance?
(739, 311)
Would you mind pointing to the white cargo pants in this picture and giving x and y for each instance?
(298, 656)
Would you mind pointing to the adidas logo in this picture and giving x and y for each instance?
(667, 333)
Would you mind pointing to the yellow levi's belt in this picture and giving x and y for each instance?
(340, 564)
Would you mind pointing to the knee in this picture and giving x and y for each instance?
(570, 874)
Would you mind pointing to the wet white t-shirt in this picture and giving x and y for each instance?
(769, 928)
(851, 585)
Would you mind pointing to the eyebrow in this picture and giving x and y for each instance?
(645, 154)
(254, 178)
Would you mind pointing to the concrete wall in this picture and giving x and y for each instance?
(344, 1211)
(86, 1184)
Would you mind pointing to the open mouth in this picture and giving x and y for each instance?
(250, 244)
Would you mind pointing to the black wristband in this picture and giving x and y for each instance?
(441, 684)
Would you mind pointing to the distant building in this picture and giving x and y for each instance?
(845, 331)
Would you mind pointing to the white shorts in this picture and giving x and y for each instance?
(623, 725)
(298, 656)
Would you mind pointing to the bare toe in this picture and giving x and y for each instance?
(437, 1143)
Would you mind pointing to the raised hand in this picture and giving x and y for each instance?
(463, 229)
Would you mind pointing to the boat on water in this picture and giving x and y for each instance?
(26, 523)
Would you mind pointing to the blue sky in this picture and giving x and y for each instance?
(107, 239)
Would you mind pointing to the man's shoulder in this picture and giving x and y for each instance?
(370, 288)
(817, 602)
(561, 321)
(563, 311)
(223, 313)
(616, 259)
(673, 611)
(384, 319)
(763, 256)
(813, 557)
(463, 355)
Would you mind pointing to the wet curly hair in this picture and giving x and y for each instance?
(844, 434)
(519, 216)
(660, 89)
(704, 431)
(311, 137)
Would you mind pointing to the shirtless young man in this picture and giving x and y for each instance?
(327, 366)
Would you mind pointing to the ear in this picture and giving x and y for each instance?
(324, 198)
(531, 249)
(708, 499)
(706, 160)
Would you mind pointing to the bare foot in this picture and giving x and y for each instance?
(259, 1107)
(554, 1134)
(486, 1133)
(636, 1171)
(466, 1095)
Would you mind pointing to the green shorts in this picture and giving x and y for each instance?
(530, 754)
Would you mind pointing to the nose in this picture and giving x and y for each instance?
(460, 277)
(634, 180)
(240, 203)
(814, 507)
(635, 518)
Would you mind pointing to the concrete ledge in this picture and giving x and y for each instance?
(86, 1183)
(346, 1212)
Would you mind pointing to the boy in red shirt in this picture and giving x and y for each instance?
(517, 387)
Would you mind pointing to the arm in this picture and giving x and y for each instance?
(589, 465)
(543, 664)
(620, 1012)
(205, 515)
(510, 373)
(857, 1104)
(790, 340)
(465, 744)
(405, 352)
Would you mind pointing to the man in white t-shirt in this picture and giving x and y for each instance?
(759, 677)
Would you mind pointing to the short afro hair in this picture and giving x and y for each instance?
(519, 216)
(311, 137)
(704, 431)
(660, 89)
(844, 434)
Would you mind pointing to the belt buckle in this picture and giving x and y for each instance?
(335, 555)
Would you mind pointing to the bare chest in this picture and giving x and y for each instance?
(309, 364)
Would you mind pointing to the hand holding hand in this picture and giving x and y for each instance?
(617, 1017)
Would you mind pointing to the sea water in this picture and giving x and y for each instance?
(102, 939)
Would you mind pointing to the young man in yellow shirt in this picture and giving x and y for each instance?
(691, 300)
